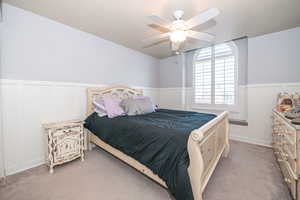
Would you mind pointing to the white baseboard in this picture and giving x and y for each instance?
(250, 141)
(33, 164)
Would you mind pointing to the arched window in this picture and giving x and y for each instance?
(215, 75)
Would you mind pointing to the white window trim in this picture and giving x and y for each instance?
(232, 108)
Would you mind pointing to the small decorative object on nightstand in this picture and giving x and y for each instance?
(65, 142)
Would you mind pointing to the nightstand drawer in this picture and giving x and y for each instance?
(67, 131)
(67, 148)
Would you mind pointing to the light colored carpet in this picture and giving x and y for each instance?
(249, 173)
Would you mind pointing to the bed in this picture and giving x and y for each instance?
(203, 144)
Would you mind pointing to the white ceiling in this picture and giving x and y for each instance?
(125, 21)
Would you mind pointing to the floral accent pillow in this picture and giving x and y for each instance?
(112, 106)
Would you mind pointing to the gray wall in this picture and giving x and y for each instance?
(170, 72)
(36, 48)
(171, 67)
(271, 58)
(242, 46)
(275, 58)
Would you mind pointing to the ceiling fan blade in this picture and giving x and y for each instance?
(175, 46)
(201, 36)
(191, 44)
(203, 17)
(191, 47)
(160, 21)
(156, 38)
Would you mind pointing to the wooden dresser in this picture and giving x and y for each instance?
(286, 145)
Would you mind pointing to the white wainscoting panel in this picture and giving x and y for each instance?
(255, 105)
(261, 100)
(170, 98)
(2, 161)
(27, 105)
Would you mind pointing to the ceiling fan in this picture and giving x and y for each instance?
(179, 29)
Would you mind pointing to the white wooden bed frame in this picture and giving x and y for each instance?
(205, 144)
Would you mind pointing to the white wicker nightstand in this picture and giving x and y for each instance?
(65, 142)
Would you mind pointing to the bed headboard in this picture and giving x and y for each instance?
(120, 91)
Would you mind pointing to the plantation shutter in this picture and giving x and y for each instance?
(214, 75)
(224, 75)
(202, 76)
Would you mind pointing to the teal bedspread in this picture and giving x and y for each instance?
(158, 140)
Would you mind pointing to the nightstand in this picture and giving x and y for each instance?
(65, 142)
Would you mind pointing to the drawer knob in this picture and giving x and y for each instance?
(284, 142)
(285, 154)
(276, 143)
(287, 180)
(280, 160)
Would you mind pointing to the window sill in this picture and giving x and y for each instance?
(232, 121)
(232, 109)
(238, 122)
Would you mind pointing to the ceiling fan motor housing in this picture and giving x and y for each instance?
(178, 25)
(178, 14)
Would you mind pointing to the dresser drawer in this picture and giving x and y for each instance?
(289, 149)
(288, 178)
(290, 135)
(277, 121)
(292, 164)
(277, 141)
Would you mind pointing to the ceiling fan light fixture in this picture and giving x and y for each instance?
(178, 36)
(179, 29)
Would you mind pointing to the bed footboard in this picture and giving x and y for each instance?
(205, 147)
